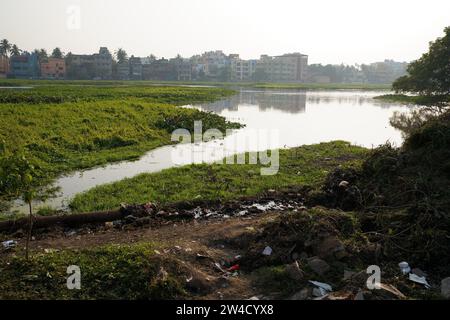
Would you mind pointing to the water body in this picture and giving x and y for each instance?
(273, 119)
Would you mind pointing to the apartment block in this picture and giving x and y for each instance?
(53, 68)
(103, 64)
(90, 66)
(135, 68)
(123, 70)
(242, 70)
(289, 67)
(24, 66)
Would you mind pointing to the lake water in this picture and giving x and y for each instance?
(273, 119)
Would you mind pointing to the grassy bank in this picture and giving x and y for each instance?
(267, 85)
(64, 128)
(325, 86)
(306, 165)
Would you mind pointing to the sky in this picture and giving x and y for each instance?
(329, 31)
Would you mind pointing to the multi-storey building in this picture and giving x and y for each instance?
(183, 68)
(242, 70)
(24, 66)
(90, 66)
(4, 66)
(53, 68)
(289, 67)
(123, 70)
(161, 69)
(103, 64)
(135, 68)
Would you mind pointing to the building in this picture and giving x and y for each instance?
(212, 63)
(183, 69)
(90, 66)
(289, 67)
(123, 70)
(135, 65)
(161, 69)
(4, 66)
(103, 64)
(242, 70)
(80, 66)
(24, 66)
(53, 68)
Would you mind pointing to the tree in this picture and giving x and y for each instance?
(18, 179)
(42, 54)
(429, 75)
(57, 53)
(121, 55)
(15, 51)
(5, 47)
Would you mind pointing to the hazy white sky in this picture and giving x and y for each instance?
(329, 31)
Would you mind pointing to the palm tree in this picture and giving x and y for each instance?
(41, 53)
(15, 51)
(121, 55)
(5, 47)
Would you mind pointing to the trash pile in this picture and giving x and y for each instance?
(139, 215)
(319, 249)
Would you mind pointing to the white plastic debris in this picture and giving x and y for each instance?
(267, 251)
(404, 267)
(422, 280)
(9, 244)
(322, 288)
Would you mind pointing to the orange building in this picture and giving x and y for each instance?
(53, 68)
(4, 66)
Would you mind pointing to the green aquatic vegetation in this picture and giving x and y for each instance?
(307, 165)
(104, 125)
(55, 94)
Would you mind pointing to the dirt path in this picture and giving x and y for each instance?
(183, 241)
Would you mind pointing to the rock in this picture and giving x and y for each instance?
(330, 246)
(445, 288)
(109, 225)
(348, 274)
(358, 279)
(344, 184)
(318, 265)
(294, 271)
(302, 294)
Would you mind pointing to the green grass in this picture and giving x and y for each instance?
(108, 272)
(307, 165)
(64, 128)
(398, 98)
(325, 86)
(268, 85)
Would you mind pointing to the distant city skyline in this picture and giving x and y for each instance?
(327, 31)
